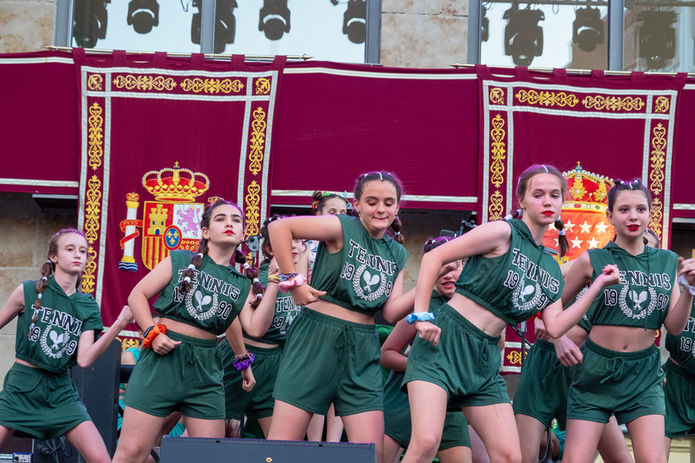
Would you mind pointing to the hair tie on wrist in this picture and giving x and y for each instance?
(419, 317)
(244, 361)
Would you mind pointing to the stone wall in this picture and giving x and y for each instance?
(26, 25)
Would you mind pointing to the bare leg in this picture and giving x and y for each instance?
(315, 430)
(427, 414)
(5, 432)
(667, 442)
(87, 440)
(612, 446)
(477, 447)
(392, 450)
(366, 427)
(138, 434)
(643, 432)
(455, 455)
(289, 422)
(582, 440)
(530, 436)
(198, 427)
(334, 426)
(491, 422)
(265, 425)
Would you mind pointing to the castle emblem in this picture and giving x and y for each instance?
(171, 221)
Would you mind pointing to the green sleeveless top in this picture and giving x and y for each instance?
(285, 312)
(643, 295)
(216, 296)
(50, 342)
(682, 347)
(360, 276)
(517, 284)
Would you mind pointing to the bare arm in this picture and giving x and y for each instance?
(13, 306)
(236, 341)
(558, 321)
(257, 321)
(88, 350)
(577, 276)
(398, 304)
(490, 238)
(681, 301)
(400, 337)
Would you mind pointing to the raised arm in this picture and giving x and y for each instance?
(257, 321)
(88, 350)
(490, 239)
(576, 276)
(681, 301)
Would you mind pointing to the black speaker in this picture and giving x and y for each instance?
(188, 449)
(98, 389)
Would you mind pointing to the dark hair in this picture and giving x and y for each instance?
(383, 176)
(266, 248)
(48, 267)
(239, 257)
(522, 186)
(320, 198)
(432, 243)
(634, 185)
(653, 234)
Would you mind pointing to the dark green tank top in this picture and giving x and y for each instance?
(517, 284)
(285, 312)
(50, 342)
(682, 347)
(643, 295)
(216, 296)
(360, 276)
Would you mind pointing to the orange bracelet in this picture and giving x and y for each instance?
(154, 332)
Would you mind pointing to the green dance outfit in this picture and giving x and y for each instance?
(42, 402)
(627, 384)
(514, 287)
(330, 360)
(258, 403)
(679, 388)
(397, 423)
(189, 378)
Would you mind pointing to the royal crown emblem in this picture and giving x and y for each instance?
(171, 221)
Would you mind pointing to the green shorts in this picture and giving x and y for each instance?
(397, 424)
(39, 403)
(259, 402)
(465, 363)
(326, 360)
(544, 385)
(627, 384)
(679, 391)
(187, 379)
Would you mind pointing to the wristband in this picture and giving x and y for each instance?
(244, 361)
(297, 280)
(153, 332)
(419, 317)
(273, 279)
(287, 276)
(686, 285)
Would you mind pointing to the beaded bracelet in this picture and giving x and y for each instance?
(244, 361)
(151, 333)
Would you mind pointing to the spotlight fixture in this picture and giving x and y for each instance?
(143, 15)
(225, 24)
(657, 37)
(587, 29)
(274, 19)
(355, 21)
(485, 27)
(523, 37)
(89, 22)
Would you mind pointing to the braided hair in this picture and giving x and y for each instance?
(48, 267)
(321, 197)
(383, 176)
(522, 186)
(239, 257)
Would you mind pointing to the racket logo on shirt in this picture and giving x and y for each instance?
(55, 344)
(370, 286)
(527, 296)
(197, 304)
(632, 302)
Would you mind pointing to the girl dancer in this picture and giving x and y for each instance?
(55, 330)
(332, 351)
(620, 372)
(200, 296)
(508, 277)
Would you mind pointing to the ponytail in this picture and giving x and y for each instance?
(252, 274)
(196, 262)
(561, 238)
(396, 226)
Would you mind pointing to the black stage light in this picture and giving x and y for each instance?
(355, 21)
(225, 24)
(657, 37)
(89, 22)
(195, 23)
(274, 19)
(587, 29)
(143, 15)
(485, 27)
(523, 37)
